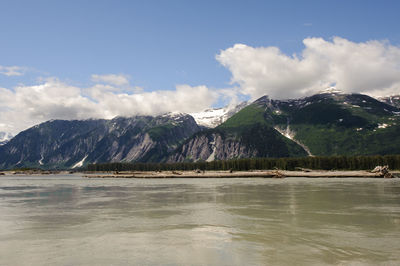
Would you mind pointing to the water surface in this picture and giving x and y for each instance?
(70, 220)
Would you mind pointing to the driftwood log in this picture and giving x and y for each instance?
(383, 171)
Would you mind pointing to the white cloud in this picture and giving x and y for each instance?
(184, 99)
(371, 67)
(26, 106)
(12, 70)
(118, 80)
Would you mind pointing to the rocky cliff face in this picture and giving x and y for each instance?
(231, 141)
(209, 147)
(69, 144)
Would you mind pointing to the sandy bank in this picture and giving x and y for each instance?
(227, 174)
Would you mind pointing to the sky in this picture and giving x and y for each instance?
(100, 59)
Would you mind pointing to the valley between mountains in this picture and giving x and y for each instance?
(325, 124)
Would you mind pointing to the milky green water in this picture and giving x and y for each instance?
(70, 220)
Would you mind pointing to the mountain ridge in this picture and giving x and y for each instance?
(315, 123)
(328, 123)
(68, 143)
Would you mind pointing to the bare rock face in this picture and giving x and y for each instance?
(231, 148)
(211, 147)
(70, 144)
(198, 147)
(139, 149)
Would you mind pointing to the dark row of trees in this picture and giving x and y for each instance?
(320, 163)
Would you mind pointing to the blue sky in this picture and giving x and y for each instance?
(158, 45)
(163, 43)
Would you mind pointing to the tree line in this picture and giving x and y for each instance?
(245, 164)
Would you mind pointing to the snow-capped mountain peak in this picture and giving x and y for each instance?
(331, 90)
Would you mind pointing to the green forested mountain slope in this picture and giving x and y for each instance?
(324, 124)
(337, 124)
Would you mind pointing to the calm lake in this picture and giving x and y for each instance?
(70, 220)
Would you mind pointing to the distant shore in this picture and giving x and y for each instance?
(238, 174)
(213, 174)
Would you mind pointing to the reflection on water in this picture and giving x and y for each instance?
(69, 220)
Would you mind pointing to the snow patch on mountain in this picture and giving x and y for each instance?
(174, 115)
(214, 117)
(331, 90)
(383, 125)
(80, 163)
(41, 159)
(288, 133)
(214, 149)
(5, 137)
(393, 100)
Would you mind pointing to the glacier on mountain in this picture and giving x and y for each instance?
(213, 117)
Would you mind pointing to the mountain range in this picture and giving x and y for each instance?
(328, 123)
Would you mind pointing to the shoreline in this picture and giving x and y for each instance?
(307, 173)
(239, 174)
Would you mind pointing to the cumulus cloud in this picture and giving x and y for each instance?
(12, 70)
(184, 98)
(25, 106)
(371, 67)
(118, 80)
